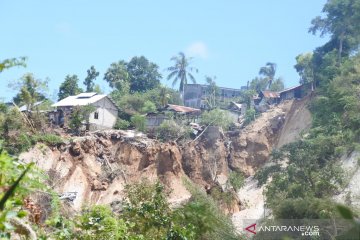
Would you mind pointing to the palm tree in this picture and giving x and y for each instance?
(269, 72)
(181, 70)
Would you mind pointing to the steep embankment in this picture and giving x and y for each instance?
(280, 125)
(97, 167)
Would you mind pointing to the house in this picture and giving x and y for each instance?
(268, 97)
(104, 117)
(294, 92)
(180, 113)
(236, 110)
(195, 94)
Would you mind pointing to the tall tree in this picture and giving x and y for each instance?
(258, 84)
(117, 74)
(143, 74)
(92, 74)
(305, 69)
(31, 90)
(268, 71)
(69, 87)
(212, 92)
(181, 70)
(341, 21)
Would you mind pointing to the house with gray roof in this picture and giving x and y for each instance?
(104, 117)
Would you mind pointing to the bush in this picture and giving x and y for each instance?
(217, 117)
(121, 124)
(250, 116)
(139, 122)
(169, 130)
(237, 180)
(49, 139)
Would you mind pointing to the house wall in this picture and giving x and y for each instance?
(195, 93)
(107, 115)
(154, 121)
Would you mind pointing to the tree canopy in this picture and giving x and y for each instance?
(69, 87)
(138, 75)
(92, 74)
(181, 71)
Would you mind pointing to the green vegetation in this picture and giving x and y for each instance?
(69, 87)
(236, 180)
(217, 117)
(169, 130)
(122, 124)
(80, 116)
(181, 71)
(92, 74)
(146, 214)
(139, 122)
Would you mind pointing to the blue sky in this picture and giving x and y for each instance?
(230, 39)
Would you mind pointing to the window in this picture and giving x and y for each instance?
(96, 115)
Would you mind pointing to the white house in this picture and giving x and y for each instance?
(104, 117)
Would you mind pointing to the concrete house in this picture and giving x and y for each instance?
(104, 117)
(195, 94)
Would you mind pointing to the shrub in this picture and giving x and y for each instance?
(139, 122)
(236, 180)
(148, 107)
(49, 139)
(169, 130)
(217, 117)
(250, 116)
(121, 124)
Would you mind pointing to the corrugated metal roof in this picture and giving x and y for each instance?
(238, 105)
(79, 100)
(23, 108)
(270, 94)
(182, 109)
(289, 89)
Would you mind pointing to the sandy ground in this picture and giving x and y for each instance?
(252, 197)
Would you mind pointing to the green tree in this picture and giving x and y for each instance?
(92, 74)
(341, 21)
(212, 92)
(164, 96)
(80, 116)
(69, 87)
(139, 122)
(268, 71)
(258, 84)
(31, 90)
(277, 85)
(305, 69)
(117, 75)
(12, 62)
(143, 74)
(216, 117)
(181, 71)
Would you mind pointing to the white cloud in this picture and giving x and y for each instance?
(197, 49)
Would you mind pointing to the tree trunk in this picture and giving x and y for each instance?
(341, 41)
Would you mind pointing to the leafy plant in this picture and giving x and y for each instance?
(237, 180)
(139, 122)
(216, 117)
